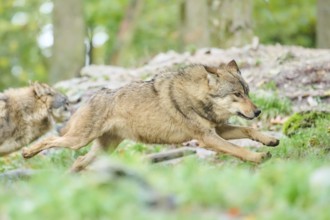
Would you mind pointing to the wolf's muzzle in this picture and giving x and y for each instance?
(257, 113)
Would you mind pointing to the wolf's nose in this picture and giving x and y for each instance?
(257, 113)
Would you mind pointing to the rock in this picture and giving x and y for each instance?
(103, 171)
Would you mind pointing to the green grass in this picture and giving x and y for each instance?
(271, 103)
(312, 142)
(267, 191)
(203, 189)
(303, 120)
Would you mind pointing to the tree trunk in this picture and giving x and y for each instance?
(126, 31)
(69, 34)
(217, 23)
(195, 31)
(231, 22)
(322, 27)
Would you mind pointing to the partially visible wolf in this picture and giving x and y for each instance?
(28, 113)
(171, 108)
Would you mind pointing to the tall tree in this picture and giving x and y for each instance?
(126, 31)
(322, 27)
(217, 23)
(195, 29)
(69, 33)
(230, 22)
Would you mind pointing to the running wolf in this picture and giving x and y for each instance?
(173, 107)
(28, 113)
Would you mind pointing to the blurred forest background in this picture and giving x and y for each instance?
(51, 40)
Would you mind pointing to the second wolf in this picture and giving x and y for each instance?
(28, 113)
(171, 108)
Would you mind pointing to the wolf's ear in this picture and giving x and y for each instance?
(222, 65)
(212, 75)
(212, 70)
(232, 65)
(41, 89)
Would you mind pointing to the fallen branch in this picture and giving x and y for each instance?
(298, 95)
(170, 154)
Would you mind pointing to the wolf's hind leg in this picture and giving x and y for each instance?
(82, 161)
(100, 144)
(229, 132)
(77, 133)
(50, 142)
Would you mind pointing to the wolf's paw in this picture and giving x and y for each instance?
(265, 156)
(274, 142)
(262, 157)
(26, 153)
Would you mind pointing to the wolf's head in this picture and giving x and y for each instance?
(229, 92)
(57, 103)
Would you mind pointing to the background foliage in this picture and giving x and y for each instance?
(286, 22)
(25, 26)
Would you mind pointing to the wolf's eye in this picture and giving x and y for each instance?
(237, 94)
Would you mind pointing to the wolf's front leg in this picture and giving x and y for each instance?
(235, 132)
(218, 144)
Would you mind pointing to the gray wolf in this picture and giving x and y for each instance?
(28, 113)
(171, 108)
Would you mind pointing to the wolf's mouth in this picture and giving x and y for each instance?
(243, 116)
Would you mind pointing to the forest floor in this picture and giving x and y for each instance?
(293, 184)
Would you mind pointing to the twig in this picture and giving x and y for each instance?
(321, 94)
(170, 154)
